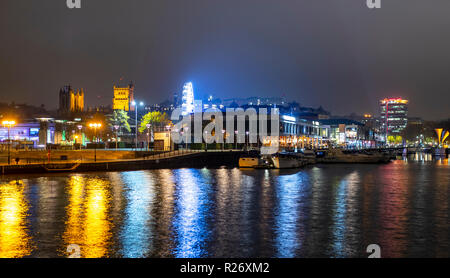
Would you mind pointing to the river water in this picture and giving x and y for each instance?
(318, 211)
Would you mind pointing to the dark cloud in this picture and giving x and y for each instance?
(335, 53)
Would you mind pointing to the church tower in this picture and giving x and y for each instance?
(70, 101)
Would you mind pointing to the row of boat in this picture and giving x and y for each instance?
(286, 160)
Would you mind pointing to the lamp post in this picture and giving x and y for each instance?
(95, 126)
(75, 137)
(116, 128)
(168, 128)
(223, 139)
(134, 103)
(187, 133)
(148, 135)
(206, 142)
(81, 135)
(247, 139)
(235, 138)
(9, 124)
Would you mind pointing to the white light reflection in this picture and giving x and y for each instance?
(343, 212)
(191, 212)
(290, 190)
(137, 234)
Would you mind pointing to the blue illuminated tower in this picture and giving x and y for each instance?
(188, 99)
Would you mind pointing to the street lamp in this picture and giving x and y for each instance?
(247, 139)
(169, 129)
(95, 126)
(116, 128)
(134, 103)
(223, 139)
(187, 133)
(235, 138)
(9, 124)
(206, 142)
(81, 135)
(148, 135)
(76, 139)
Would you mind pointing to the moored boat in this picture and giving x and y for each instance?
(61, 167)
(251, 160)
(340, 156)
(287, 160)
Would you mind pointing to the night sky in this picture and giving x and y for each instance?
(334, 53)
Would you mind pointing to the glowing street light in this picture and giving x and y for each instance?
(134, 103)
(81, 135)
(206, 143)
(247, 139)
(9, 124)
(95, 126)
(116, 128)
(148, 135)
(223, 139)
(186, 129)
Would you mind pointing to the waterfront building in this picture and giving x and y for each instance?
(393, 116)
(293, 133)
(163, 141)
(350, 134)
(123, 98)
(32, 134)
(298, 133)
(70, 101)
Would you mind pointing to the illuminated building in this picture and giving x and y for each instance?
(187, 99)
(301, 133)
(30, 134)
(70, 101)
(123, 98)
(393, 115)
(162, 141)
(350, 133)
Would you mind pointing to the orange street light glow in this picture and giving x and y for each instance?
(8, 123)
(95, 125)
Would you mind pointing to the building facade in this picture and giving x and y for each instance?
(298, 133)
(30, 134)
(70, 101)
(393, 116)
(123, 98)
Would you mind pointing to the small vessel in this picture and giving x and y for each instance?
(279, 160)
(341, 156)
(251, 160)
(61, 167)
(287, 160)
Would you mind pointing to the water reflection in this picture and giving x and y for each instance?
(137, 235)
(318, 211)
(441, 212)
(393, 208)
(290, 194)
(164, 243)
(14, 239)
(190, 221)
(88, 223)
(74, 222)
(342, 212)
(97, 230)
